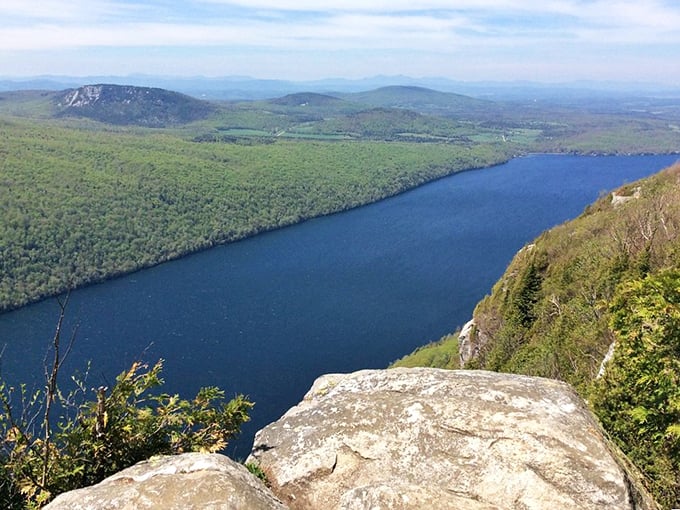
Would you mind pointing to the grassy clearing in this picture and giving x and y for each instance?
(441, 354)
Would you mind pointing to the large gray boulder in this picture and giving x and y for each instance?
(180, 482)
(430, 438)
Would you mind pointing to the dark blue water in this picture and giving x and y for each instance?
(267, 315)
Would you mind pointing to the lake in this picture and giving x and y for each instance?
(265, 316)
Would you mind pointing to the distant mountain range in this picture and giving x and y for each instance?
(393, 112)
(411, 109)
(359, 112)
(246, 88)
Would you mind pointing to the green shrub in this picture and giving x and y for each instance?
(638, 398)
(257, 471)
(94, 439)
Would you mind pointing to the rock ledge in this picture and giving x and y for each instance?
(429, 438)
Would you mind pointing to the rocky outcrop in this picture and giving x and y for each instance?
(401, 438)
(467, 348)
(619, 198)
(429, 438)
(188, 481)
(128, 105)
(471, 342)
(607, 358)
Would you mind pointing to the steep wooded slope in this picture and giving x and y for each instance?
(548, 314)
(80, 205)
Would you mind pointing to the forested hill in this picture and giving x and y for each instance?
(121, 104)
(420, 99)
(609, 279)
(80, 205)
(307, 99)
(101, 180)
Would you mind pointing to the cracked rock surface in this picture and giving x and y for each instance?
(181, 482)
(429, 438)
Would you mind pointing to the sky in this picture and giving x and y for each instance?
(472, 40)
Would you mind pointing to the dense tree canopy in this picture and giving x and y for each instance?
(82, 205)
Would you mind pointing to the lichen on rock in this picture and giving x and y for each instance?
(188, 481)
(430, 438)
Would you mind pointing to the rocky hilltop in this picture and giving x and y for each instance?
(128, 105)
(401, 438)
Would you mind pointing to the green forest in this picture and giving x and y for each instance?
(88, 190)
(80, 205)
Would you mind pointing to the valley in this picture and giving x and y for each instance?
(101, 181)
(105, 179)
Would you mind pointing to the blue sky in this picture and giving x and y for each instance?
(501, 40)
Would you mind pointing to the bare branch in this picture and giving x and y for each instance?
(51, 387)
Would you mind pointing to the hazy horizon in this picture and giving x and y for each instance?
(556, 41)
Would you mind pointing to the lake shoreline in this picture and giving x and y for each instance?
(236, 239)
(265, 316)
(265, 229)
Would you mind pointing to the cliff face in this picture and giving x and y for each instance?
(402, 438)
(601, 287)
(548, 314)
(128, 105)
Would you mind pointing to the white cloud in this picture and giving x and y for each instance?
(380, 5)
(341, 32)
(28, 11)
(46, 8)
(77, 23)
(51, 37)
(498, 32)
